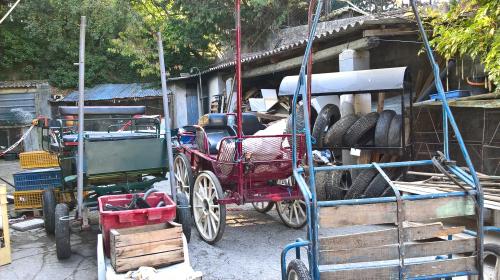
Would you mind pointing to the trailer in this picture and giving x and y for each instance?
(396, 237)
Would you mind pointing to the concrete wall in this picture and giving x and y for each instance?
(180, 111)
(216, 86)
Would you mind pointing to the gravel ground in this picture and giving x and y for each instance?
(250, 248)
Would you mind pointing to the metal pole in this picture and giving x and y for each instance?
(239, 97)
(166, 113)
(81, 106)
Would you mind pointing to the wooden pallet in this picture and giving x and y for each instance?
(151, 245)
(353, 256)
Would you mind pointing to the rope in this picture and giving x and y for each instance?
(18, 141)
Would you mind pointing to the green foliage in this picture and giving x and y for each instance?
(40, 41)
(470, 29)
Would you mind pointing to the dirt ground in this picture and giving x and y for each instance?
(250, 248)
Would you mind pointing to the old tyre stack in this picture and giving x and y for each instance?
(330, 131)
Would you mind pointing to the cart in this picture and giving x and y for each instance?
(394, 237)
(121, 154)
(221, 162)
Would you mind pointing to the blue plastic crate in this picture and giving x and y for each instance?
(37, 179)
(454, 94)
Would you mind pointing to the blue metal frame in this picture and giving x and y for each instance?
(308, 189)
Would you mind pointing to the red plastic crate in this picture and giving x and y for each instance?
(136, 217)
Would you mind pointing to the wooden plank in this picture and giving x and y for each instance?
(366, 214)
(388, 32)
(386, 236)
(155, 260)
(148, 248)
(391, 252)
(385, 213)
(392, 272)
(322, 55)
(432, 209)
(145, 237)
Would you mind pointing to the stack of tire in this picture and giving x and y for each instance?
(373, 129)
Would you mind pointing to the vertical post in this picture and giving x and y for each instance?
(310, 60)
(81, 106)
(166, 113)
(201, 107)
(239, 98)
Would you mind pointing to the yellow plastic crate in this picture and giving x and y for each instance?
(38, 159)
(32, 199)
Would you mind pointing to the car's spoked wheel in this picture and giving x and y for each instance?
(292, 213)
(209, 215)
(263, 207)
(183, 174)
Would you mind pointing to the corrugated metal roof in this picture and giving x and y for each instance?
(296, 37)
(116, 91)
(21, 84)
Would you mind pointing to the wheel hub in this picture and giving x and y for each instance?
(206, 206)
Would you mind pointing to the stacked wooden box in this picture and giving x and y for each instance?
(151, 245)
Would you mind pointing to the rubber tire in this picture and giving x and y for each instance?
(492, 250)
(376, 187)
(362, 131)
(327, 117)
(183, 214)
(322, 183)
(49, 208)
(300, 121)
(222, 209)
(394, 135)
(299, 268)
(189, 173)
(336, 132)
(340, 182)
(389, 192)
(360, 183)
(62, 232)
(265, 209)
(382, 128)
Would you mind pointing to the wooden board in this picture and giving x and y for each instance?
(150, 245)
(154, 260)
(154, 233)
(413, 270)
(385, 213)
(391, 252)
(386, 236)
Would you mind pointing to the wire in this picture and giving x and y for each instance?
(9, 11)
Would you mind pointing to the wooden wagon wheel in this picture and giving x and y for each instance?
(183, 174)
(292, 212)
(209, 215)
(263, 206)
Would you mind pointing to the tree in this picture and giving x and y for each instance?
(196, 33)
(40, 41)
(470, 29)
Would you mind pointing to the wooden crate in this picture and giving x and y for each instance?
(151, 245)
(424, 238)
(5, 255)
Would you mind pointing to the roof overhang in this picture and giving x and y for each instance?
(375, 80)
(103, 110)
